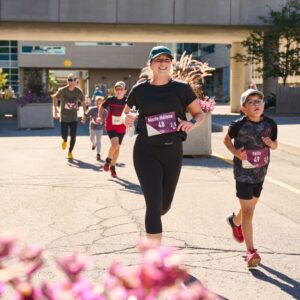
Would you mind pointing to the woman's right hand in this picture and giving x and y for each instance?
(129, 119)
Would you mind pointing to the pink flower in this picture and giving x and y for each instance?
(207, 104)
(32, 258)
(73, 265)
(2, 288)
(7, 244)
(25, 291)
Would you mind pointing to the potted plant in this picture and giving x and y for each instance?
(8, 101)
(198, 141)
(35, 105)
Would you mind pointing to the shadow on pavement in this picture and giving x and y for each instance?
(76, 163)
(128, 185)
(9, 128)
(285, 283)
(205, 161)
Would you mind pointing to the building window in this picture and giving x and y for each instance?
(9, 62)
(52, 50)
(103, 44)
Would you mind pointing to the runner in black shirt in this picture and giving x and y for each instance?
(254, 135)
(162, 126)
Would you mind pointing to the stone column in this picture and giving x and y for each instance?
(269, 59)
(240, 76)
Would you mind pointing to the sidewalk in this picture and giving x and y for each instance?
(288, 126)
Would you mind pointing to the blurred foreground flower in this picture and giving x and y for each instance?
(159, 276)
(207, 104)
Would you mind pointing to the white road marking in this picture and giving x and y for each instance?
(275, 181)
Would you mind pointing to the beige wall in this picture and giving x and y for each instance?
(110, 77)
(87, 57)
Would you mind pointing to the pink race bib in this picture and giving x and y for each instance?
(70, 106)
(256, 158)
(161, 123)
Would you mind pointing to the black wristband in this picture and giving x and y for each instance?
(193, 121)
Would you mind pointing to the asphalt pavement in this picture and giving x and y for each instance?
(75, 206)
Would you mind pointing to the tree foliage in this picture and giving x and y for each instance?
(275, 50)
(3, 78)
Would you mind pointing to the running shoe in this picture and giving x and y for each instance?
(98, 157)
(113, 171)
(70, 155)
(93, 147)
(106, 165)
(253, 258)
(64, 145)
(237, 232)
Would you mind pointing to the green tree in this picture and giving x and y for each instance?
(52, 81)
(275, 50)
(3, 79)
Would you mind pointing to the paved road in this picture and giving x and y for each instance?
(75, 206)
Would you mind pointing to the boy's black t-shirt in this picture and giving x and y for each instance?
(150, 100)
(249, 135)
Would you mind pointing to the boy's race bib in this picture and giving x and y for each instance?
(117, 120)
(256, 158)
(161, 123)
(70, 106)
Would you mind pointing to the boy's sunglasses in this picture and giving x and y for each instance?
(72, 79)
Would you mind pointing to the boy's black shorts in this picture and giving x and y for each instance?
(247, 191)
(113, 133)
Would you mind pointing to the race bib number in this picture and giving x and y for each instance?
(70, 106)
(256, 158)
(161, 123)
(117, 120)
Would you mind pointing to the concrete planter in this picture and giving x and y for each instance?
(8, 107)
(35, 115)
(198, 141)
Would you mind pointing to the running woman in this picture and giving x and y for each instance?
(114, 125)
(162, 126)
(69, 97)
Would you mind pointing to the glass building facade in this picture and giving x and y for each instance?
(9, 62)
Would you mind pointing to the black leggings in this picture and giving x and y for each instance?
(64, 128)
(158, 169)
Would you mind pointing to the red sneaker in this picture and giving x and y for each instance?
(113, 171)
(253, 258)
(106, 165)
(236, 230)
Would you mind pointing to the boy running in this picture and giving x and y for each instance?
(254, 135)
(114, 125)
(96, 126)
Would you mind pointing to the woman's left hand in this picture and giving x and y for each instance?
(185, 126)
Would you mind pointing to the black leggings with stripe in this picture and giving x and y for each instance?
(158, 169)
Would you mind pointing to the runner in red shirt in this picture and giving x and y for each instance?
(114, 125)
